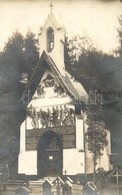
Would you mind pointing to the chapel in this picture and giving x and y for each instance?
(52, 134)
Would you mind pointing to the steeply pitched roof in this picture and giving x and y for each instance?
(76, 87)
(52, 19)
(73, 88)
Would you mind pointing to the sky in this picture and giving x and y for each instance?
(97, 19)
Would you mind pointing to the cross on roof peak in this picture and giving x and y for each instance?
(51, 6)
(65, 172)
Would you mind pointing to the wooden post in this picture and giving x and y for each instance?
(117, 182)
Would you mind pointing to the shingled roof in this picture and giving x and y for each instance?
(73, 88)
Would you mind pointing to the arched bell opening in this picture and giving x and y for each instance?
(50, 39)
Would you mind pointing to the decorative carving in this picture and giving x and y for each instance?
(43, 118)
(50, 82)
(55, 117)
(35, 122)
(58, 89)
(58, 117)
(40, 91)
(31, 112)
(69, 116)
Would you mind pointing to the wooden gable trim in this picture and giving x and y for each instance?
(37, 75)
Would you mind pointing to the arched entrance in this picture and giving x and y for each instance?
(49, 155)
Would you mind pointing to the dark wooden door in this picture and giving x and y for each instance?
(50, 155)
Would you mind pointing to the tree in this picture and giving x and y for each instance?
(76, 48)
(14, 60)
(119, 49)
(96, 70)
(31, 53)
(86, 63)
(116, 122)
(22, 55)
(96, 132)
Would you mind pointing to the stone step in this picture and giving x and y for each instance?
(37, 182)
(41, 181)
(51, 179)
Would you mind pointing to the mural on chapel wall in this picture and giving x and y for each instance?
(54, 116)
(49, 87)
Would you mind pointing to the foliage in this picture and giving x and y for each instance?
(87, 64)
(117, 119)
(31, 52)
(119, 49)
(14, 60)
(76, 48)
(95, 70)
(20, 56)
(96, 135)
(102, 72)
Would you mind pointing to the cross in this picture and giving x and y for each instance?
(65, 172)
(51, 6)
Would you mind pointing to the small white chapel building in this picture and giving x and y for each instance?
(52, 134)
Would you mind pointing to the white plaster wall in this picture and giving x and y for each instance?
(108, 147)
(29, 123)
(46, 102)
(103, 161)
(73, 161)
(22, 137)
(28, 163)
(79, 134)
(58, 51)
(105, 158)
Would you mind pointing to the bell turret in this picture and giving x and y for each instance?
(51, 40)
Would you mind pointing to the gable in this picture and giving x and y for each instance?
(49, 91)
(49, 86)
(46, 67)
